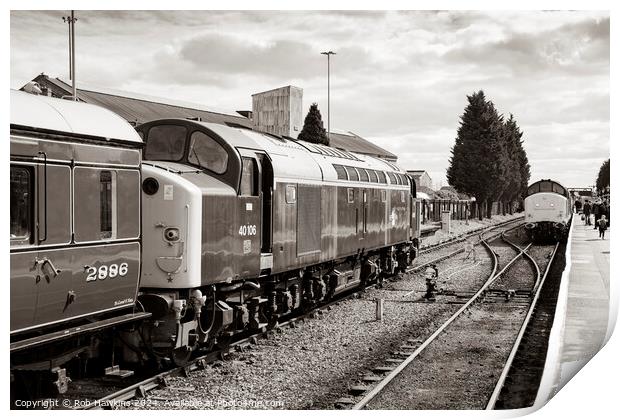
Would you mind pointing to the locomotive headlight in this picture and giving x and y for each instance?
(171, 234)
(150, 186)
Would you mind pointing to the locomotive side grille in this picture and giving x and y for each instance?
(308, 219)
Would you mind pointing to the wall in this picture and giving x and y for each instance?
(278, 111)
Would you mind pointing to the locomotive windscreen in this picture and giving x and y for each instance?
(165, 142)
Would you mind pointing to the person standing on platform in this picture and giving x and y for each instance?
(608, 213)
(586, 212)
(603, 211)
(602, 227)
(577, 206)
(596, 209)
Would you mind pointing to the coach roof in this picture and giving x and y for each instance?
(65, 116)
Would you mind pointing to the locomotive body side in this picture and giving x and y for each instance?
(280, 229)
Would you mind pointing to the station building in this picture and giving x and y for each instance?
(279, 111)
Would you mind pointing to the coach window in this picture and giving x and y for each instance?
(207, 153)
(107, 213)
(21, 205)
(249, 178)
(383, 196)
(165, 142)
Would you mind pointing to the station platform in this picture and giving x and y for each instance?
(582, 320)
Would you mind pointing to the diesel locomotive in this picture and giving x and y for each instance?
(548, 211)
(145, 244)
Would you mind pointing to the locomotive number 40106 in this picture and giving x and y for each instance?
(107, 271)
(247, 230)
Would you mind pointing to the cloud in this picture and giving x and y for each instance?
(573, 48)
(399, 78)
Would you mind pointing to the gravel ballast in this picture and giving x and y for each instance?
(314, 364)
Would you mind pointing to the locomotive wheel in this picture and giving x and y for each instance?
(273, 322)
(209, 344)
(224, 340)
(181, 356)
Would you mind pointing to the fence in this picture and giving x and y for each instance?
(459, 209)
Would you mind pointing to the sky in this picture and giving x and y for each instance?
(399, 79)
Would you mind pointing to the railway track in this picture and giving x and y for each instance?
(465, 236)
(518, 383)
(514, 224)
(472, 307)
(143, 387)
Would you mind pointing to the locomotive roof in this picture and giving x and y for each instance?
(298, 159)
(65, 116)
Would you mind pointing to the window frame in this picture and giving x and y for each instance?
(255, 186)
(290, 198)
(28, 239)
(190, 139)
(185, 142)
(113, 219)
(350, 195)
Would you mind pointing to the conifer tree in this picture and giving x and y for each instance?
(313, 130)
(477, 165)
(602, 180)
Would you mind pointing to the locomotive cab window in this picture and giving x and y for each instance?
(21, 205)
(249, 178)
(207, 153)
(165, 142)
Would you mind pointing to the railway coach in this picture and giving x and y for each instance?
(75, 232)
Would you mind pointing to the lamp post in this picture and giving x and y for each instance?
(328, 53)
(71, 21)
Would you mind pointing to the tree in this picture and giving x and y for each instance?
(602, 181)
(313, 130)
(478, 161)
(518, 168)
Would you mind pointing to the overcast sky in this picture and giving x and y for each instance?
(399, 79)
